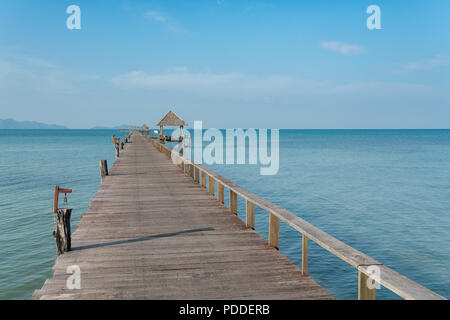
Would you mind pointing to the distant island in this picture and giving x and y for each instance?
(13, 124)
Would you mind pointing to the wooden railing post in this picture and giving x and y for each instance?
(274, 230)
(250, 215)
(203, 174)
(197, 173)
(117, 150)
(220, 192)
(103, 169)
(233, 202)
(364, 292)
(304, 255)
(211, 185)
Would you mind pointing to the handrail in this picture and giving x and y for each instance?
(392, 280)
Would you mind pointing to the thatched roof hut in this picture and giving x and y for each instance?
(171, 119)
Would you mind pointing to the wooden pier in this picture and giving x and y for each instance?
(153, 231)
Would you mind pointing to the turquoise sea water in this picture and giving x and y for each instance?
(384, 192)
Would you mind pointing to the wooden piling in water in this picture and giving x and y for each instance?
(62, 232)
(103, 164)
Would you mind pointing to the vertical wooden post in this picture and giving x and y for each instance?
(274, 230)
(220, 192)
(203, 174)
(233, 202)
(62, 232)
(103, 169)
(250, 215)
(117, 150)
(304, 255)
(211, 185)
(197, 173)
(192, 172)
(364, 293)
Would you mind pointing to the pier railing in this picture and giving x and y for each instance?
(369, 269)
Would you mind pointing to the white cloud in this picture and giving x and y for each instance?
(439, 60)
(342, 48)
(156, 16)
(27, 74)
(276, 87)
(176, 78)
(168, 24)
(178, 70)
(378, 88)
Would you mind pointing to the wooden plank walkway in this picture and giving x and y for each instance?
(152, 233)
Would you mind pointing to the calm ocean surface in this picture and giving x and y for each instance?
(384, 192)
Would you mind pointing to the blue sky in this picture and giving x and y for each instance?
(277, 64)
